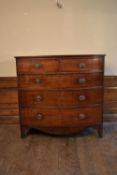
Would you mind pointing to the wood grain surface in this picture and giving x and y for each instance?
(35, 66)
(47, 155)
(9, 103)
(62, 98)
(68, 117)
(90, 65)
(61, 81)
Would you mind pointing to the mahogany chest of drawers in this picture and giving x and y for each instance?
(60, 94)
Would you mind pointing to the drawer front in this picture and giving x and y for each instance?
(37, 66)
(61, 117)
(61, 98)
(60, 81)
(82, 65)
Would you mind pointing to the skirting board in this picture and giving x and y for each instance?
(9, 113)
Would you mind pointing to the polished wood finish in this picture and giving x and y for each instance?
(9, 110)
(71, 117)
(56, 81)
(37, 66)
(60, 83)
(85, 65)
(59, 98)
(8, 83)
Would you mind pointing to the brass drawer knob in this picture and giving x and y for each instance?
(82, 97)
(39, 98)
(39, 116)
(82, 65)
(82, 116)
(37, 65)
(82, 80)
(38, 80)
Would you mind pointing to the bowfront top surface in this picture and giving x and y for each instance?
(60, 56)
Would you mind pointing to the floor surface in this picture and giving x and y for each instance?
(40, 154)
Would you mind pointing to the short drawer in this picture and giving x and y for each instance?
(36, 66)
(82, 65)
(61, 117)
(61, 98)
(60, 81)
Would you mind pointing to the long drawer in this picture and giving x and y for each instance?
(60, 98)
(60, 117)
(60, 81)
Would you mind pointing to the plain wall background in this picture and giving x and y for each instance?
(38, 27)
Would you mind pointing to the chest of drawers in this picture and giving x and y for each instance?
(60, 94)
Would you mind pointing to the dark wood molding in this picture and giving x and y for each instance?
(8, 82)
(9, 100)
(110, 98)
(12, 120)
(110, 81)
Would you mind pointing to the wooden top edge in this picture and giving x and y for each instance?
(52, 56)
(11, 78)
